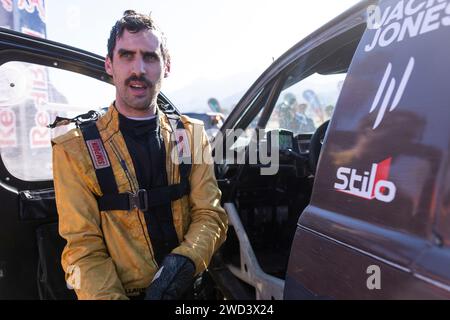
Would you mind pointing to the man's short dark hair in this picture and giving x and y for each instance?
(134, 22)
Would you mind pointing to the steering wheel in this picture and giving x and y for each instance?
(315, 146)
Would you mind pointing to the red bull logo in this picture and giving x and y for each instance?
(7, 5)
(31, 5)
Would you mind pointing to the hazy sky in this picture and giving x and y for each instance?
(208, 39)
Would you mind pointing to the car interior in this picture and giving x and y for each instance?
(269, 206)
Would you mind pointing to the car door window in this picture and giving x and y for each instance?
(304, 105)
(241, 136)
(31, 96)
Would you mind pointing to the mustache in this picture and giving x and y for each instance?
(140, 78)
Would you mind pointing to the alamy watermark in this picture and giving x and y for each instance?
(250, 146)
(374, 280)
(373, 17)
(73, 280)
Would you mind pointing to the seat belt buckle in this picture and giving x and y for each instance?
(138, 200)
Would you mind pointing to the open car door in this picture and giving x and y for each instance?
(39, 80)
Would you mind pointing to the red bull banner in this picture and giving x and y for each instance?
(27, 16)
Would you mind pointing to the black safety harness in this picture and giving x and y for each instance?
(142, 199)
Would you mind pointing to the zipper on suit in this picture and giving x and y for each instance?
(133, 189)
(123, 165)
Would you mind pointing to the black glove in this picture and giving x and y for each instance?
(173, 278)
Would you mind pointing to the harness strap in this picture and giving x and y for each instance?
(184, 154)
(99, 157)
(143, 199)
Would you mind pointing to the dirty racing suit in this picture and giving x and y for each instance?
(109, 254)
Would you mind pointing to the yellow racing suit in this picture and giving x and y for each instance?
(109, 254)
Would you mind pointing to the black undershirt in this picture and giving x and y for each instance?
(148, 154)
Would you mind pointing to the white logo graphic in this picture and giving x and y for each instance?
(390, 91)
(369, 185)
(405, 20)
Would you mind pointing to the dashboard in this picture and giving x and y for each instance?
(303, 143)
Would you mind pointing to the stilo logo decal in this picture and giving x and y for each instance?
(390, 91)
(369, 185)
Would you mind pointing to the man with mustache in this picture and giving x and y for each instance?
(139, 223)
